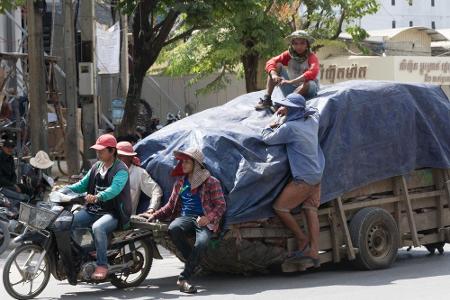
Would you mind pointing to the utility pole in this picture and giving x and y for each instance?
(89, 102)
(36, 93)
(71, 143)
(124, 69)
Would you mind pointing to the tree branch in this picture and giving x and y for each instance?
(166, 27)
(269, 7)
(310, 7)
(181, 35)
(339, 28)
(318, 22)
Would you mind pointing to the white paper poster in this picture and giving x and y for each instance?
(108, 49)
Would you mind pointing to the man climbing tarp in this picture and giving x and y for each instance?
(368, 131)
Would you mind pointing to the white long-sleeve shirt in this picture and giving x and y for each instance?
(140, 180)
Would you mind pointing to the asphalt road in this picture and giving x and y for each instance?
(415, 275)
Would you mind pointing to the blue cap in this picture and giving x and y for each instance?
(292, 100)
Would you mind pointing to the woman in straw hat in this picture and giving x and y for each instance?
(34, 178)
(196, 205)
(294, 70)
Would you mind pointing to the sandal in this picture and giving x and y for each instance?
(264, 103)
(186, 287)
(305, 259)
(293, 256)
(100, 273)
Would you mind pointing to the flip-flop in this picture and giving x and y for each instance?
(100, 274)
(315, 261)
(296, 255)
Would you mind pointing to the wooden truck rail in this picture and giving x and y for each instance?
(366, 226)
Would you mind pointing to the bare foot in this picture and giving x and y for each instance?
(313, 253)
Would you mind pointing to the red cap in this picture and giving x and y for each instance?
(103, 141)
(125, 148)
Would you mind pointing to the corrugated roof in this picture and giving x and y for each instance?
(380, 35)
(445, 32)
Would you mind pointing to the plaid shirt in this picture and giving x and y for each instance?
(211, 195)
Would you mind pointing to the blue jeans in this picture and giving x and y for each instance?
(179, 230)
(102, 225)
(287, 89)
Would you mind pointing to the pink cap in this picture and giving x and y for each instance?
(125, 148)
(104, 141)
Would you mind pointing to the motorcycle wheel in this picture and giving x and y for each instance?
(18, 277)
(4, 236)
(139, 271)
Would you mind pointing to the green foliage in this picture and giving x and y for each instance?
(358, 35)
(191, 13)
(241, 28)
(157, 25)
(248, 27)
(6, 5)
(324, 18)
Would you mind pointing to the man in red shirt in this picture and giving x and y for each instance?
(294, 70)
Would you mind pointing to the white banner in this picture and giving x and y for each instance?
(107, 50)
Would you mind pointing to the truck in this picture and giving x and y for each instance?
(387, 184)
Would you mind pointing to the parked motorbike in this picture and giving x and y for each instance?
(49, 247)
(171, 118)
(10, 203)
(9, 226)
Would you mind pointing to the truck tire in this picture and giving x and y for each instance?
(375, 233)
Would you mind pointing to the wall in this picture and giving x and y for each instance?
(356, 68)
(435, 70)
(3, 33)
(107, 89)
(176, 95)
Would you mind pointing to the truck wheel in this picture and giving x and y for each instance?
(439, 246)
(375, 233)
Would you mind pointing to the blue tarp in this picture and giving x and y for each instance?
(369, 131)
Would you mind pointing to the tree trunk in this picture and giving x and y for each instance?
(128, 124)
(250, 62)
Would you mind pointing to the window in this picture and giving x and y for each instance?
(410, 23)
(393, 23)
(432, 2)
(433, 25)
(393, 2)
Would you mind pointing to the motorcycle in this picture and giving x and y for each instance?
(171, 118)
(49, 247)
(10, 202)
(9, 226)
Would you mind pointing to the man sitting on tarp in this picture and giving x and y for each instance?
(294, 70)
(299, 134)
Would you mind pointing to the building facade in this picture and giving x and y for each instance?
(407, 13)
